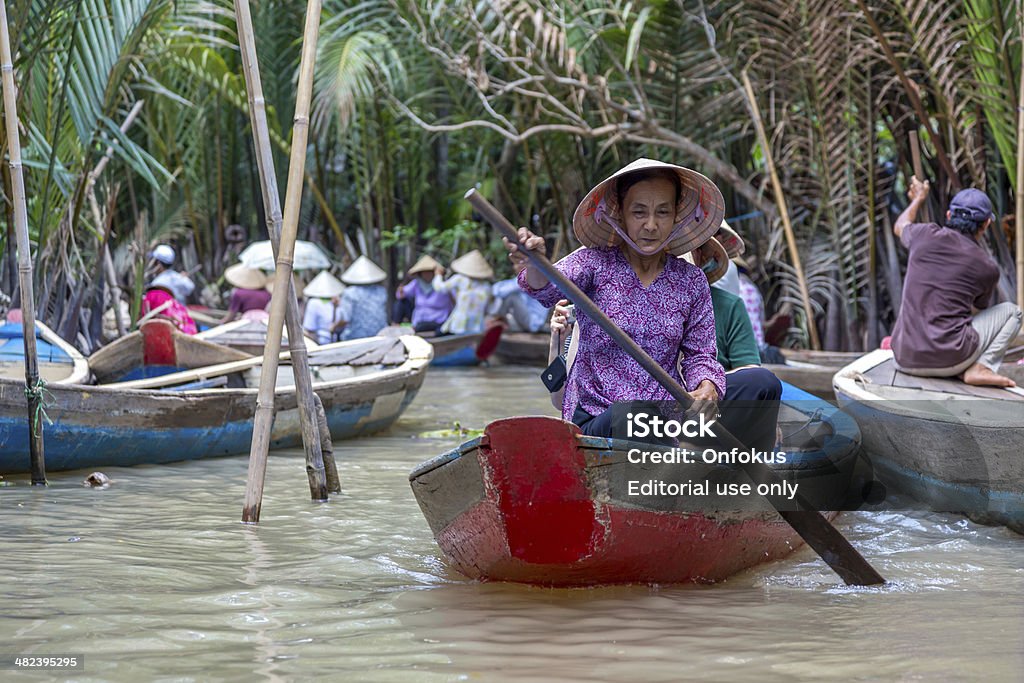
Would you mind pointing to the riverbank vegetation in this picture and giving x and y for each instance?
(417, 100)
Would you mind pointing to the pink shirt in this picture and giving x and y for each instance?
(174, 311)
(672, 315)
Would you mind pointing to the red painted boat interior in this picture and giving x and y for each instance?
(158, 343)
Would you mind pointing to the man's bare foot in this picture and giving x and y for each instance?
(981, 376)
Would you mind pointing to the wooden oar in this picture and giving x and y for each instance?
(810, 524)
(915, 160)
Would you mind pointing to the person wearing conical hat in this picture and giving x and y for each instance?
(249, 293)
(750, 407)
(430, 307)
(471, 289)
(323, 298)
(362, 311)
(632, 225)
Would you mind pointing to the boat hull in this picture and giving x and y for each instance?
(101, 426)
(534, 502)
(951, 453)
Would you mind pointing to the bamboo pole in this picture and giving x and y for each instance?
(780, 202)
(283, 288)
(33, 386)
(1019, 192)
(915, 159)
(308, 417)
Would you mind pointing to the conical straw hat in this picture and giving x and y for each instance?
(720, 255)
(363, 272)
(473, 265)
(241, 276)
(323, 286)
(696, 190)
(426, 264)
(730, 239)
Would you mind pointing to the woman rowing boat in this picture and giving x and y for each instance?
(632, 226)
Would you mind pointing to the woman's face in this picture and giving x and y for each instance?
(649, 211)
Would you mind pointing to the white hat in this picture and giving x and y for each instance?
(426, 264)
(700, 201)
(473, 265)
(244, 277)
(323, 286)
(164, 253)
(363, 272)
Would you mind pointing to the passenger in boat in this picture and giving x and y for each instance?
(946, 327)
(362, 311)
(323, 296)
(430, 306)
(632, 225)
(160, 266)
(750, 407)
(471, 289)
(249, 293)
(159, 302)
(514, 307)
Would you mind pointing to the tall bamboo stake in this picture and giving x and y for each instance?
(780, 202)
(283, 289)
(33, 387)
(320, 472)
(1019, 192)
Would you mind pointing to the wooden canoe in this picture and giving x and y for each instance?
(951, 446)
(364, 384)
(533, 501)
(456, 350)
(58, 361)
(812, 371)
(247, 336)
(523, 348)
(156, 348)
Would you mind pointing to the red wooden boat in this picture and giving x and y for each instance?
(533, 501)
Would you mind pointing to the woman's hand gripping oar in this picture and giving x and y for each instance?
(810, 524)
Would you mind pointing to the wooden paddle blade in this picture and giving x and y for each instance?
(833, 547)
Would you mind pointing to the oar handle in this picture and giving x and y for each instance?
(582, 301)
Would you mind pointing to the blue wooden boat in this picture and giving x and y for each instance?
(952, 447)
(465, 350)
(58, 361)
(364, 385)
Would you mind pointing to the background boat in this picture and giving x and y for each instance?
(59, 362)
(246, 335)
(523, 348)
(533, 501)
(364, 385)
(954, 447)
(157, 348)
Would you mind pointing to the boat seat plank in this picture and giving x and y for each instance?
(883, 374)
(221, 381)
(950, 386)
(349, 354)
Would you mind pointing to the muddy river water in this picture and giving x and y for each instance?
(154, 578)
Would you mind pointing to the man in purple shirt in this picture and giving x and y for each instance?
(633, 225)
(431, 307)
(946, 327)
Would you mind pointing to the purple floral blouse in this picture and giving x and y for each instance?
(670, 316)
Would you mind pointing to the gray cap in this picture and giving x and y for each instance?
(971, 203)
